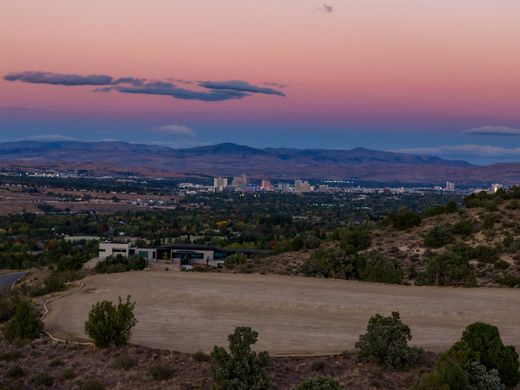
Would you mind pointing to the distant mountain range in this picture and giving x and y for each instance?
(231, 159)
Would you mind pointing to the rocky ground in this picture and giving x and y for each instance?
(48, 364)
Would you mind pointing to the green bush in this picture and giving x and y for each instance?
(200, 356)
(125, 362)
(377, 268)
(463, 227)
(43, 379)
(10, 356)
(479, 360)
(330, 263)
(405, 219)
(7, 307)
(319, 383)
(448, 268)
(447, 375)
(161, 373)
(386, 343)
(25, 324)
(240, 368)
(111, 325)
(15, 372)
(68, 373)
(437, 237)
(234, 259)
(92, 384)
(355, 239)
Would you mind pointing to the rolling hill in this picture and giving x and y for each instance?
(231, 159)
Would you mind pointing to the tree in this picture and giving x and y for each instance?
(319, 383)
(241, 368)
(448, 268)
(110, 324)
(25, 324)
(386, 342)
(479, 360)
(375, 267)
(437, 237)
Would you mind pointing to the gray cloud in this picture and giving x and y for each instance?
(241, 86)
(182, 93)
(179, 130)
(130, 80)
(328, 8)
(493, 130)
(58, 78)
(210, 91)
(49, 138)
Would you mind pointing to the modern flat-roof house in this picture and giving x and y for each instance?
(184, 255)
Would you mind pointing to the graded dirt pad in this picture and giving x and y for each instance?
(188, 312)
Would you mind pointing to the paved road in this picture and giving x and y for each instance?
(7, 280)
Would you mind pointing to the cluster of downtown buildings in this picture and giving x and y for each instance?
(241, 183)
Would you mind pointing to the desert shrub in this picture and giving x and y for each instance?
(68, 373)
(296, 244)
(15, 372)
(375, 267)
(311, 242)
(437, 237)
(10, 356)
(484, 379)
(447, 375)
(234, 259)
(161, 373)
(56, 362)
(318, 366)
(510, 281)
(7, 307)
(463, 227)
(200, 356)
(109, 324)
(54, 283)
(489, 221)
(92, 384)
(43, 379)
(336, 263)
(484, 344)
(355, 239)
(486, 254)
(479, 360)
(241, 368)
(330, 263)
(386, 343)
(25, 324)
(319, 383)
(125, 362)
(448, 268)
(450, 207)
(404, 219)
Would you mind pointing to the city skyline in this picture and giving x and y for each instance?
(435, 77)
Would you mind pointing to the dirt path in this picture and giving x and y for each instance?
(188, 312)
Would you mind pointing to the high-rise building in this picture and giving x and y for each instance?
(301, 186)
(450, 186)
(220, 183)
(239, 181)
(266, 185)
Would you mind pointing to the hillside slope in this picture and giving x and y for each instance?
(230, 159)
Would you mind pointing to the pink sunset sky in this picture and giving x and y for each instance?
(430, 75)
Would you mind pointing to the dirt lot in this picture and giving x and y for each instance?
(188, 312)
